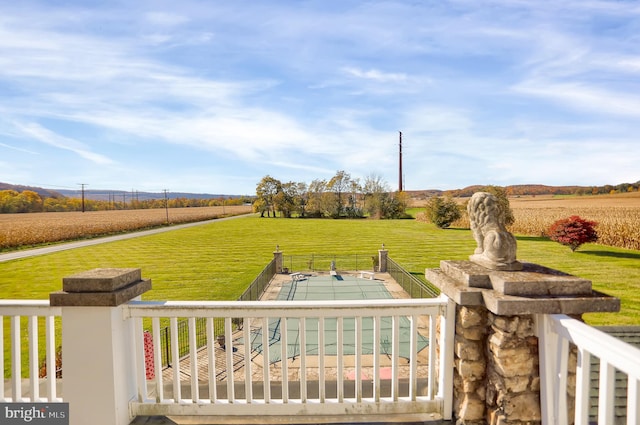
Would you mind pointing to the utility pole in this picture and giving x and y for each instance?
(82, 185)
(400, 164)
(166, 204)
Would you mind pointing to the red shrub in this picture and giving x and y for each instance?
(573, 231)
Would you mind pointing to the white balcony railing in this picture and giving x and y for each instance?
(212, 381)
(31, 321)
(556, 333)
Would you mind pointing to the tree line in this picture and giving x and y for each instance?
(27, 201)
(342, 196)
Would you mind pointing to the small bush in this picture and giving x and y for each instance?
(442, 211)
(573, 231)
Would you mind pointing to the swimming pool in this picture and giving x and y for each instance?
(334, 288)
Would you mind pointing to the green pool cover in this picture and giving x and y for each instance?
(334, 288)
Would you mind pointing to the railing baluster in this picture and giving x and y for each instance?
(431, 393)
(376, 358)
(583, 382)
(395, 355)
(229, 359)
(175, 359)
(50, 360)
(284, 359)
(340, 359)
(358, 342)
(139, 355)
(246, 335)
(33, 358)
(266, 353)
(157, 359)
(302, 337)
(193, 360)
(606, 408)
(321, 360)
(413, 358)
(211, 351)
(16, 359)
(561, 383)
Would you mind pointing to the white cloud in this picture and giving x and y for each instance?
(36, 131)
(376, 75)
(15, 148)
(581, 96)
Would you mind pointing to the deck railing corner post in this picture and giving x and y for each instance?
(97, 344)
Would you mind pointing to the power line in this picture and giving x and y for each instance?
(83, 185)
(166, 203)
(400, 176)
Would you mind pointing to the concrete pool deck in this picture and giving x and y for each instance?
(272, 291)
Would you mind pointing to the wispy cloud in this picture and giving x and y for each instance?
(583, 97)
(47, 136)
(19, 149)
(376, 75)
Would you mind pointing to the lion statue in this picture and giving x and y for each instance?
(496, 246)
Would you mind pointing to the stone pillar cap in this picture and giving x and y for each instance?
(100, 287)
(534, 290)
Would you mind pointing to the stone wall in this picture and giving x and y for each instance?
(470, 362)
(496, 378)
(513, 381)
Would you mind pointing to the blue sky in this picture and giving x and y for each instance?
(210, 96)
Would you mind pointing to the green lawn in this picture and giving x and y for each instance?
(217, 261)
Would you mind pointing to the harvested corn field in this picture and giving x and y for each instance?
(18, 230)
(618, 216)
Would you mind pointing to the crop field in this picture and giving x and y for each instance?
(19, 230)
(618, 216)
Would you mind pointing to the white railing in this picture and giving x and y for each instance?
(34, 319)
(212, 381)
(555, 333)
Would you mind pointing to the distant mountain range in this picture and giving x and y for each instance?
(117, 195)
(527, 189)
(106, 195)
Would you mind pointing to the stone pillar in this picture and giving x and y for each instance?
(470, 362)
(277, 255)
(382, 259)
(98, 356)
(496, 361)
(513, 378)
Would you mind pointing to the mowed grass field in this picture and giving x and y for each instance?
(217, 261)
